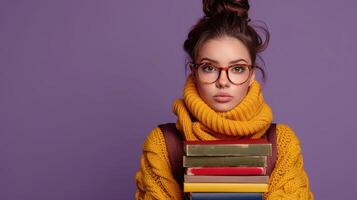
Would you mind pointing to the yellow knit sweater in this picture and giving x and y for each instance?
(197, 121)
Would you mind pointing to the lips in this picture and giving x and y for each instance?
(222, 97)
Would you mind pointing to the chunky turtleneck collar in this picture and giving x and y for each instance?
(197, 121)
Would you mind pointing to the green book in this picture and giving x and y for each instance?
(225, 161)
(228, 149)
(241, 147)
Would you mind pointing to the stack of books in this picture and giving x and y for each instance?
(226, 169)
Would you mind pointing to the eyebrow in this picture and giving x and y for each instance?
(231, 62)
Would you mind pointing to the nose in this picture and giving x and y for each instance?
(222, 80)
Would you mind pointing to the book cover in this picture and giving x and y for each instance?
(228, 149)
(225, 161)
(226, 196)
(216, 171)
(225, 187)
(226, 179)
(240, 141)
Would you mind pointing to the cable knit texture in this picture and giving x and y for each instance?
(197, 121)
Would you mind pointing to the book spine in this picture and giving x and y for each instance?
(235, 161)
(226, 196)
(226, 171)
(226, 179)
(228, 150)
(225, 187)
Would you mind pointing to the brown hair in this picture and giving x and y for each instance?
(227, 18)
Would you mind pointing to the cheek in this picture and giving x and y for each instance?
(205, 90)
(241, 91)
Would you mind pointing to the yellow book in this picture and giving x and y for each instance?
(225, 187)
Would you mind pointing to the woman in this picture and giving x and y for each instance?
(222, 99)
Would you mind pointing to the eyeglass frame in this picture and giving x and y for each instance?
(250, 67)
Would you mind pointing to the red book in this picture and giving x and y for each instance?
(217, 171)
(241, 141)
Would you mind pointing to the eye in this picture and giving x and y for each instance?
(208, 68)
(238, 69)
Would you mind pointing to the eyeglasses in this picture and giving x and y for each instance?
(209, 73)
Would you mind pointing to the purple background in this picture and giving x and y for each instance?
(83, 82)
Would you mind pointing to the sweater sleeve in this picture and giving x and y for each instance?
(288, 179)
(154, 179)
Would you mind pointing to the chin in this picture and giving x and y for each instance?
(221, 108)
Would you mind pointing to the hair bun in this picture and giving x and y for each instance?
(214, 7)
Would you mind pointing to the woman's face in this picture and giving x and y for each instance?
(223, 95)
